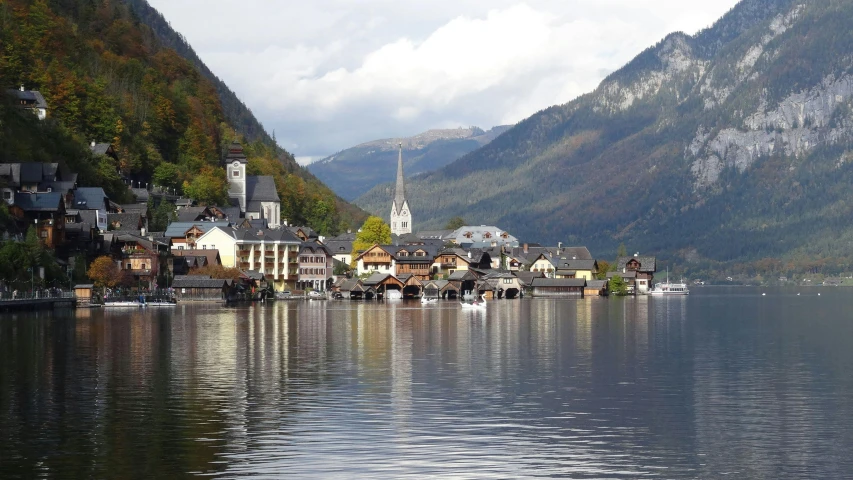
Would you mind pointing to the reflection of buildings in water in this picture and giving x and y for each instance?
(401, 367)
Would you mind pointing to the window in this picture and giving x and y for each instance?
(235, 173)
(405, 224)
(7, 195)
(129, 267)
(43, 234)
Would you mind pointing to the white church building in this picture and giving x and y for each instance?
(401, 215)
(256, 195)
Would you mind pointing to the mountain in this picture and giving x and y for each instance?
(354, 171)
(109, 77)
(727, 151)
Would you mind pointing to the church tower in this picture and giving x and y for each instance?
(401, 216)
(235, 167)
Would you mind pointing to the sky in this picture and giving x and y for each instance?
(326, 75)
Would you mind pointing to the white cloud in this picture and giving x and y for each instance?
(328, 74)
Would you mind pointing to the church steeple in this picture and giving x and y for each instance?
(401, 216)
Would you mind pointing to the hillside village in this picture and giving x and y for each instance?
(266, 255)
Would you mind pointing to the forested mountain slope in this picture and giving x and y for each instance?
(108, 77)
(354, 171)
(727, 150)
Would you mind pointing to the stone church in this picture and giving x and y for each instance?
(256, 195)
(401, 215)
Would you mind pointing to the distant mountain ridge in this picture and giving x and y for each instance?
(731, 149)
(356, 170)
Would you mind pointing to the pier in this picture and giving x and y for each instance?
(41, 300)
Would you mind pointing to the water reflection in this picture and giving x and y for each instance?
(619, 388)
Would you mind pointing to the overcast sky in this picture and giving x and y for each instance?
(329, 74)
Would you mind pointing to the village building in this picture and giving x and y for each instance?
(416, 260)
(274, 254)
(558, 287)
(30, 100)
(401, 214)
(201, 288)
(139, 257)
(315, 267)
(185, 235)
(43, 211)
(378, 258)
(341, 247)
(256, 195)
(639, 270)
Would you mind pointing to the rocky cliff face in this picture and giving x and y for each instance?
(741, 131)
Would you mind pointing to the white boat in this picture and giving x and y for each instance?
(667, 288)
(393, 295)
(124, 304)
(426, 300)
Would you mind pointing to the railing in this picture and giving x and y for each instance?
(37, 295)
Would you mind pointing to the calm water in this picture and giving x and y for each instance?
(723, 383)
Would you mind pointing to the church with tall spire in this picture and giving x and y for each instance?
(401, 215)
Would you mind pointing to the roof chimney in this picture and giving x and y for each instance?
(22, 87)
(93, 144)
(525, 248)
(637, 254)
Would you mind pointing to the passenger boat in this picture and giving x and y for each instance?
(667, 288)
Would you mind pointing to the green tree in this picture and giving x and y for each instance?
(455, 223)
(618, 286)
(374, 231)
(162, 215)
(168, 175)
(208, 187)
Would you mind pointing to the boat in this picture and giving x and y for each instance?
(124, 304)
(427, 300)
(666, 288)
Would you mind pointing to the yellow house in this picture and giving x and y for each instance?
(570, 268)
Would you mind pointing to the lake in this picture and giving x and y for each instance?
(723, 383)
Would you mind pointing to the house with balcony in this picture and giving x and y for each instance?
(415, 260)
(274, 254)
(139, 257)
(376, 259)
(315, 267)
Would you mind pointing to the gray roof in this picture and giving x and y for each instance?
(430, 251)
(100, 148)
(314, 247)
(342, 244)
(90, 198)
(140, 208)
(141, 194)
(647, 264)
(57, 186)
(599, 284)
(179, 229)
(34, 98)
(235, 152)
(88, 216)
(191, 214)
(434, 234)
(197, 281)
(39, 202)
(527, 278)
(558, 282)
(260, 189)
(481, 233)
(628, 274)
(127, 222)
(568, 264)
